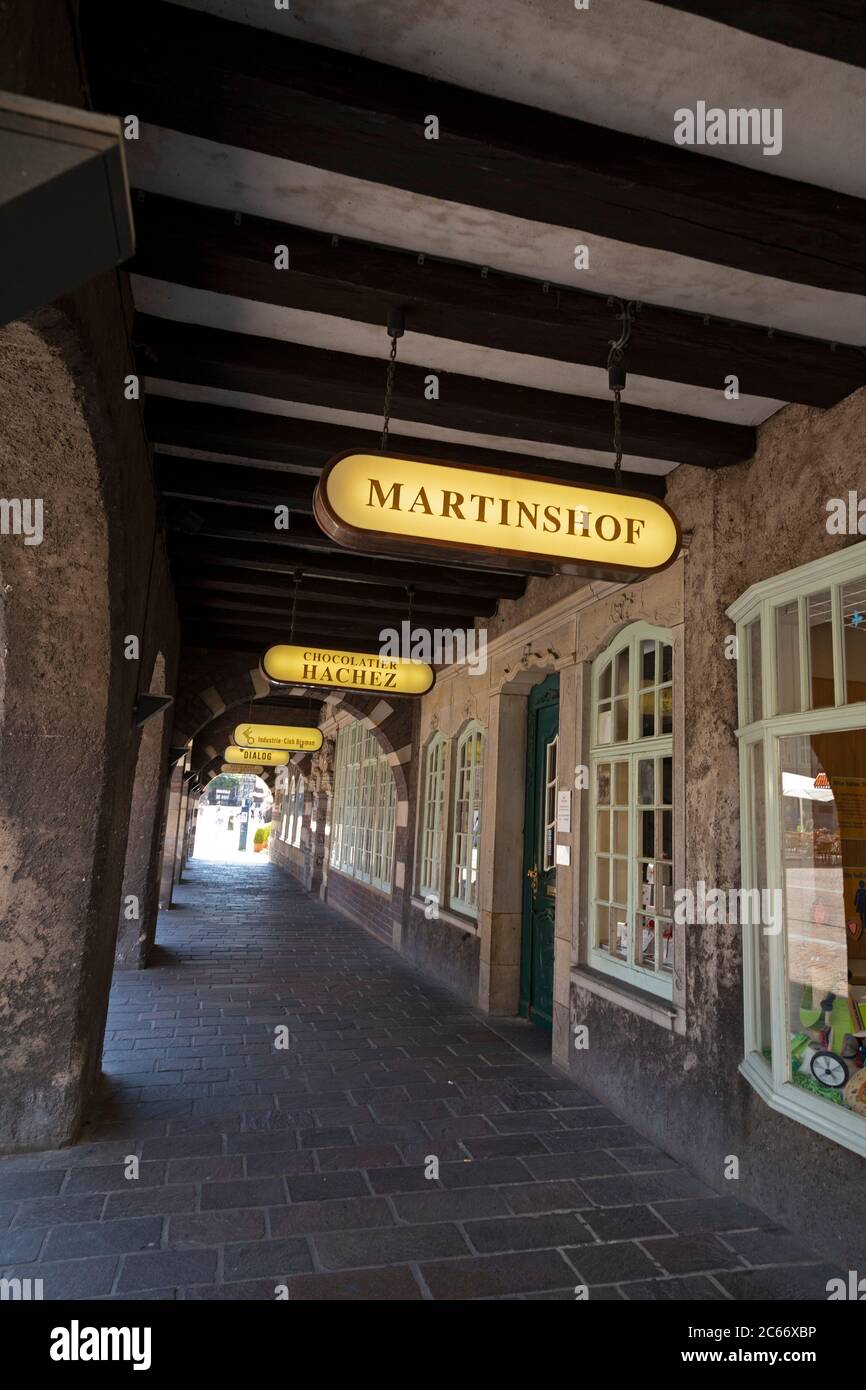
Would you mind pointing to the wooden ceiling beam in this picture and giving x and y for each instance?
(832, 28)
(254, 553)
(238, 85)
(257, 637)
(225, 581)
(198, 480)
(211, 249)
(201, 519)
(195, 355)
(299, 443)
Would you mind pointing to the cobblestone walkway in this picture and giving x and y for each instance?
(305, 1167)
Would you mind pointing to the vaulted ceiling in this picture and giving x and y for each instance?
(305, 128)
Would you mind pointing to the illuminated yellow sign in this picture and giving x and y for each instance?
(346, 670)
(258, 757)
(295, 738)
(410, 505)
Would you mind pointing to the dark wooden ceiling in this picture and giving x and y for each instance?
(256, 376)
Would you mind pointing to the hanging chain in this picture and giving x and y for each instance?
(396, 329)
(615, 360)
(299, 574)
(389, 387)
(616, 377)
(410, 595)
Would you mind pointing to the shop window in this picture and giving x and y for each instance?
(803, 782)
(288, 816)
(432, 817)
(631, 851)
(466, 839)
(363, 814)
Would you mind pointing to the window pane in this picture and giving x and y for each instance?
(602, 927)
(604, 683)
(604, 725)
(602, 832)
(647, 663)
(602, 774)
(620, 725)
(622, 665)
(824, 840)
(788, 657)
(666, 709)
(820, 619)
(667, 781)
(753, 658)
(647, 834)
(620, 784)
(646, 770)
(758, 851)
(667, 661)
(620, 832)
(602, 878)
(647, 931)
(647, 714)
(854, 631)
(619, 882)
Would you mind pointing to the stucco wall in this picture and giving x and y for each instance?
(747, 523)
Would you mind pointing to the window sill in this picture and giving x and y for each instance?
(832, 1121)
(627, 996)
(453, 919)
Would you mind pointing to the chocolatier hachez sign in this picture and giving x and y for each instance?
(413, 505)
(364, 671)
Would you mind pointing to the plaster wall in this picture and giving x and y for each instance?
(746, 524)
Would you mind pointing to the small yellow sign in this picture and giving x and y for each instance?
(363, 671)
(293, 737)
(412, 505)
(256, 757)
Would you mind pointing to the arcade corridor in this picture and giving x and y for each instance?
(305, 1167)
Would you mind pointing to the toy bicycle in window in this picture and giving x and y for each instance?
(826, 1049)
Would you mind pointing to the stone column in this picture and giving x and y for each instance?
(139, 902)
(573, 738)
(169, 844)
(501, 883)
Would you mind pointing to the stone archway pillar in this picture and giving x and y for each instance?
(174, 797)
(140, 898)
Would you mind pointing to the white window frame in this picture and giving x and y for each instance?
(364, 809)
(431, 843)
(772, 1080)
(631, 750)
(462, 841)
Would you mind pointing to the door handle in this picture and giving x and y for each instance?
(533, 875)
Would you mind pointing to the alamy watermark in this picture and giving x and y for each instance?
(437, 646)
(22, 516)
(713, 125)
(716, 907)
(846, 516)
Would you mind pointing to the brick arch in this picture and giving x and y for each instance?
(213, 736)
(391, 727)
(210, 683)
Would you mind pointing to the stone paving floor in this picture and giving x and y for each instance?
(305, 1167)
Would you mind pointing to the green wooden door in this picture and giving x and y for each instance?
(539, 855)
